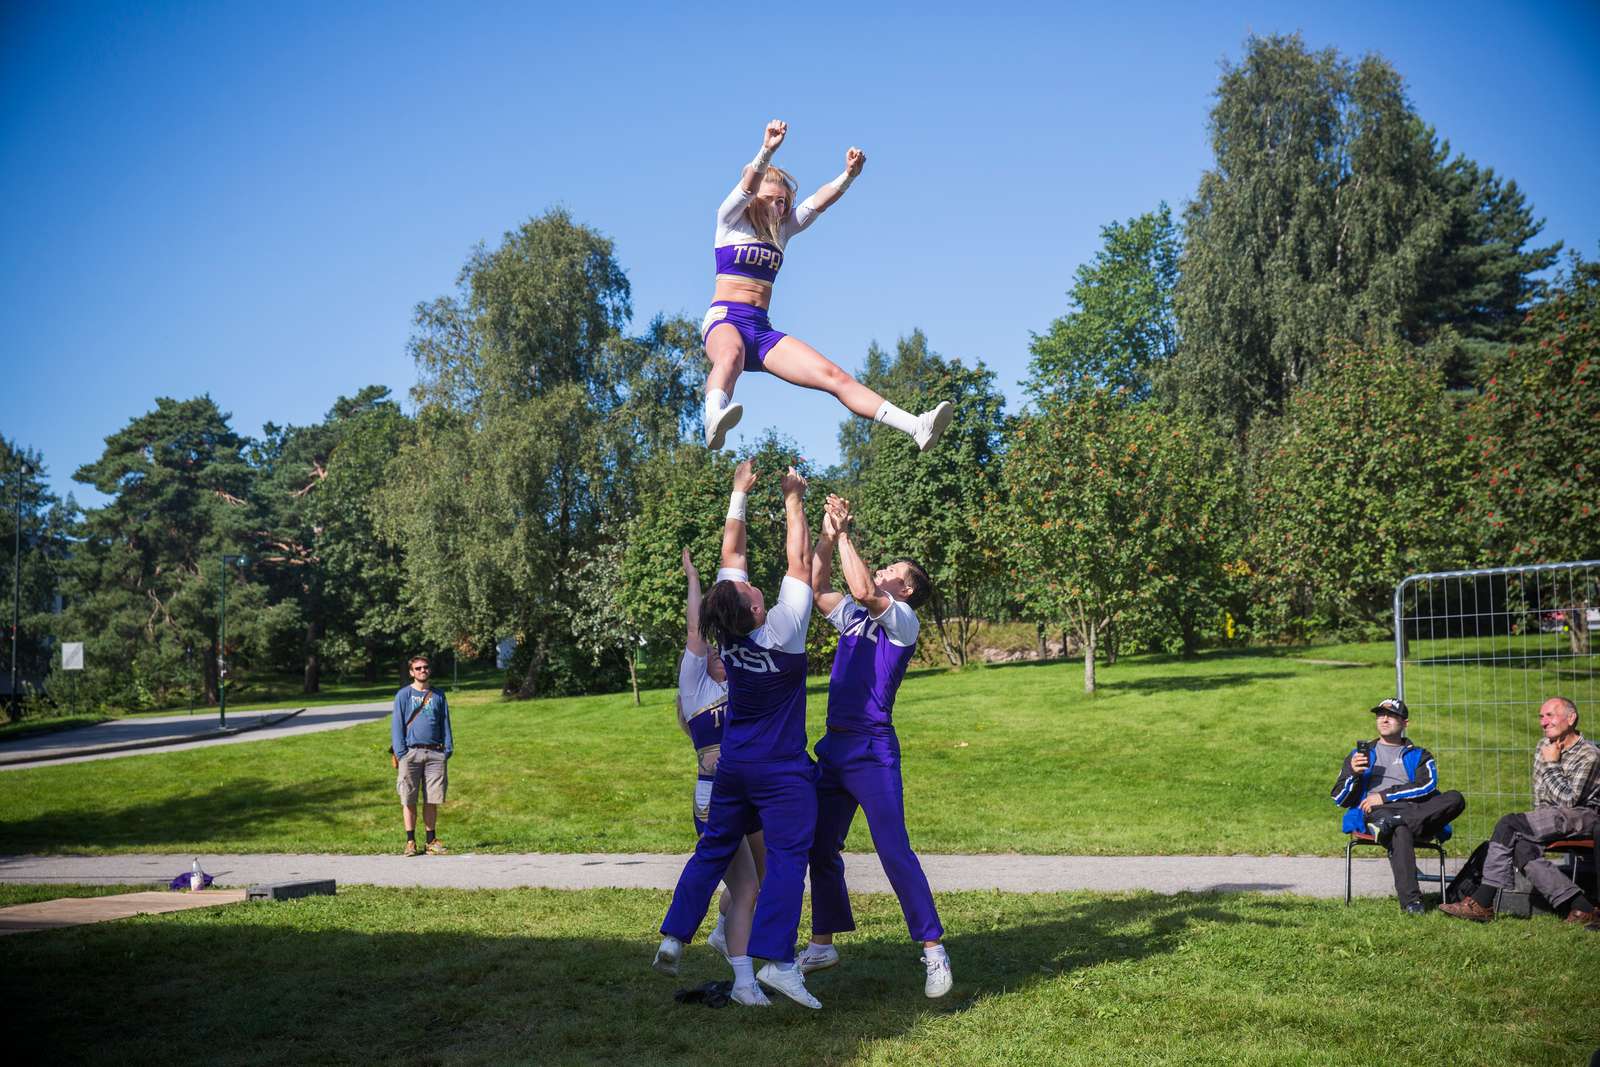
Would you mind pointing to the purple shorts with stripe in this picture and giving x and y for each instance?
(753, 325)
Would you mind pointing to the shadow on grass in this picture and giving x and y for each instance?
(249, 984)
(237, 810)
(1180, 683)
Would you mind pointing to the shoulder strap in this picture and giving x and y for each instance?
(427, 694)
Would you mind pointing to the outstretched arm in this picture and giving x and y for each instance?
(693, 641)
(828, 195)
(734, 556)
(798, 541)
(822, 590)
(857, 575)
(771, 138)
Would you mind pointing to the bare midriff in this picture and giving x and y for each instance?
(743, 291)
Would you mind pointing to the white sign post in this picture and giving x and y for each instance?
(72, 655)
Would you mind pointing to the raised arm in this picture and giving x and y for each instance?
(734, 556)
(857, 575)
(771, 138)
(829, 194)
(692, 640)
(826, 597)
(798, 541)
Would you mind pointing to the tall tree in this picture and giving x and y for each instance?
(1536, 435)
(1363, 482)
(532, 419)
(32, 553)
(931, 507)
(1121, 330)
(1333, 212)
(142, 586)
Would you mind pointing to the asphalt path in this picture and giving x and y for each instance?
(121, 738)
(1312, 876)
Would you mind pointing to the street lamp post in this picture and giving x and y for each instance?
(24, 468)
(222, 641)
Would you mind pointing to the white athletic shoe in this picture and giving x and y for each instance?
(931, 424)
(750, 996)
(667, 956)
(725, 420)
(939, 977)
(817, 958)
(790, 983)
(719, 941)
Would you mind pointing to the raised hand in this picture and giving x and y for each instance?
(854, 160)
(793, 484)
(744, 476)
(777, 130)
(830, 525)
(688, 565)
(839, 509)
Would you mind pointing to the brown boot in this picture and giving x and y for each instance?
(1468, 908)
(1581, 918)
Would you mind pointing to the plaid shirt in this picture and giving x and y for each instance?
(1573, 781)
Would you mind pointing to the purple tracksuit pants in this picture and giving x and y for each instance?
(864, 770)
(779, 799)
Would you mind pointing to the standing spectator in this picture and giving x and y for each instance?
(1566, 803)
(419, 735)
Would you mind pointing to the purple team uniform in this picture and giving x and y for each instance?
(859, 764)
(742, 254)
(702, 704)
(764, 781)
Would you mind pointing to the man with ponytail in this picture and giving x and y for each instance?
(764, 778)
(754, 225)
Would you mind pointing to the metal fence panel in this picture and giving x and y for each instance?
(1476, 653)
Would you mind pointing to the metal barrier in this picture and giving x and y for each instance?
(1476, 653)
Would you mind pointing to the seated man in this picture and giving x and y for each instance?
(1391, 789)
(1566, 800)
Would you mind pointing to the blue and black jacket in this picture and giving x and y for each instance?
(1351, 788)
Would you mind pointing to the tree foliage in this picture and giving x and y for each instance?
(1333, 212)
(1121, 330)
(32, 555)
(1362, 482)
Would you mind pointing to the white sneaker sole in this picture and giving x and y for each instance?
(717, 434)
(800, 996)
(941, 422)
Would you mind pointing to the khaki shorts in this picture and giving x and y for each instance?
(422, 766)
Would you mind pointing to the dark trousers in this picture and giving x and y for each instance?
(1418, 820)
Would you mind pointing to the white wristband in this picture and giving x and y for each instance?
(763, 157)
(842, 182)
(736, 501)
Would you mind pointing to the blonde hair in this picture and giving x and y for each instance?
(761, 221)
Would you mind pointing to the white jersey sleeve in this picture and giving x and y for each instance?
(900, 623)
(800, 218)
(733, 207)
(787, 620)
(696, 689)
(732, 574)
(842, 611)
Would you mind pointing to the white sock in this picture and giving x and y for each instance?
(721, 927)
(935, 952)
(816, 945)
(744, 972)
(783, 966)
(671, 944)
(899, 418)
(716, 400)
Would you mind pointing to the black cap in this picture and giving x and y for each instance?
(1392, 706)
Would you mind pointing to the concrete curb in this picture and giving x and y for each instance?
(9, 759)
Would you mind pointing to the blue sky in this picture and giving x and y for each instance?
(248, 201)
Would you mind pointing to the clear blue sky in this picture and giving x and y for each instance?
(249, 200)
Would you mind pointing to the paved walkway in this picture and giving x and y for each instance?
(166, 733)
(1313, 876)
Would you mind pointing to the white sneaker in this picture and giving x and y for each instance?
(939, 977)
(667, 956)
(719, 941)
(817, 958)
(750, 996)
(725, 420)
(790, 983)
(931, 424)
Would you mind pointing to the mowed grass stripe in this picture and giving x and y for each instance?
(1228, 753)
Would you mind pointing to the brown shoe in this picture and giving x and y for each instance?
(410, 849)
(436, 847)
(1581, 918)
(1468, 908)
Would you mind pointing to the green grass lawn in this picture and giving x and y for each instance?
(546, 977)
(1231, 753)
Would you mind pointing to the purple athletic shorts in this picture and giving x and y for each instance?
(753, 326)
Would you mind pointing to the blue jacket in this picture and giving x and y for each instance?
(430, 726)
(1351, 788)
